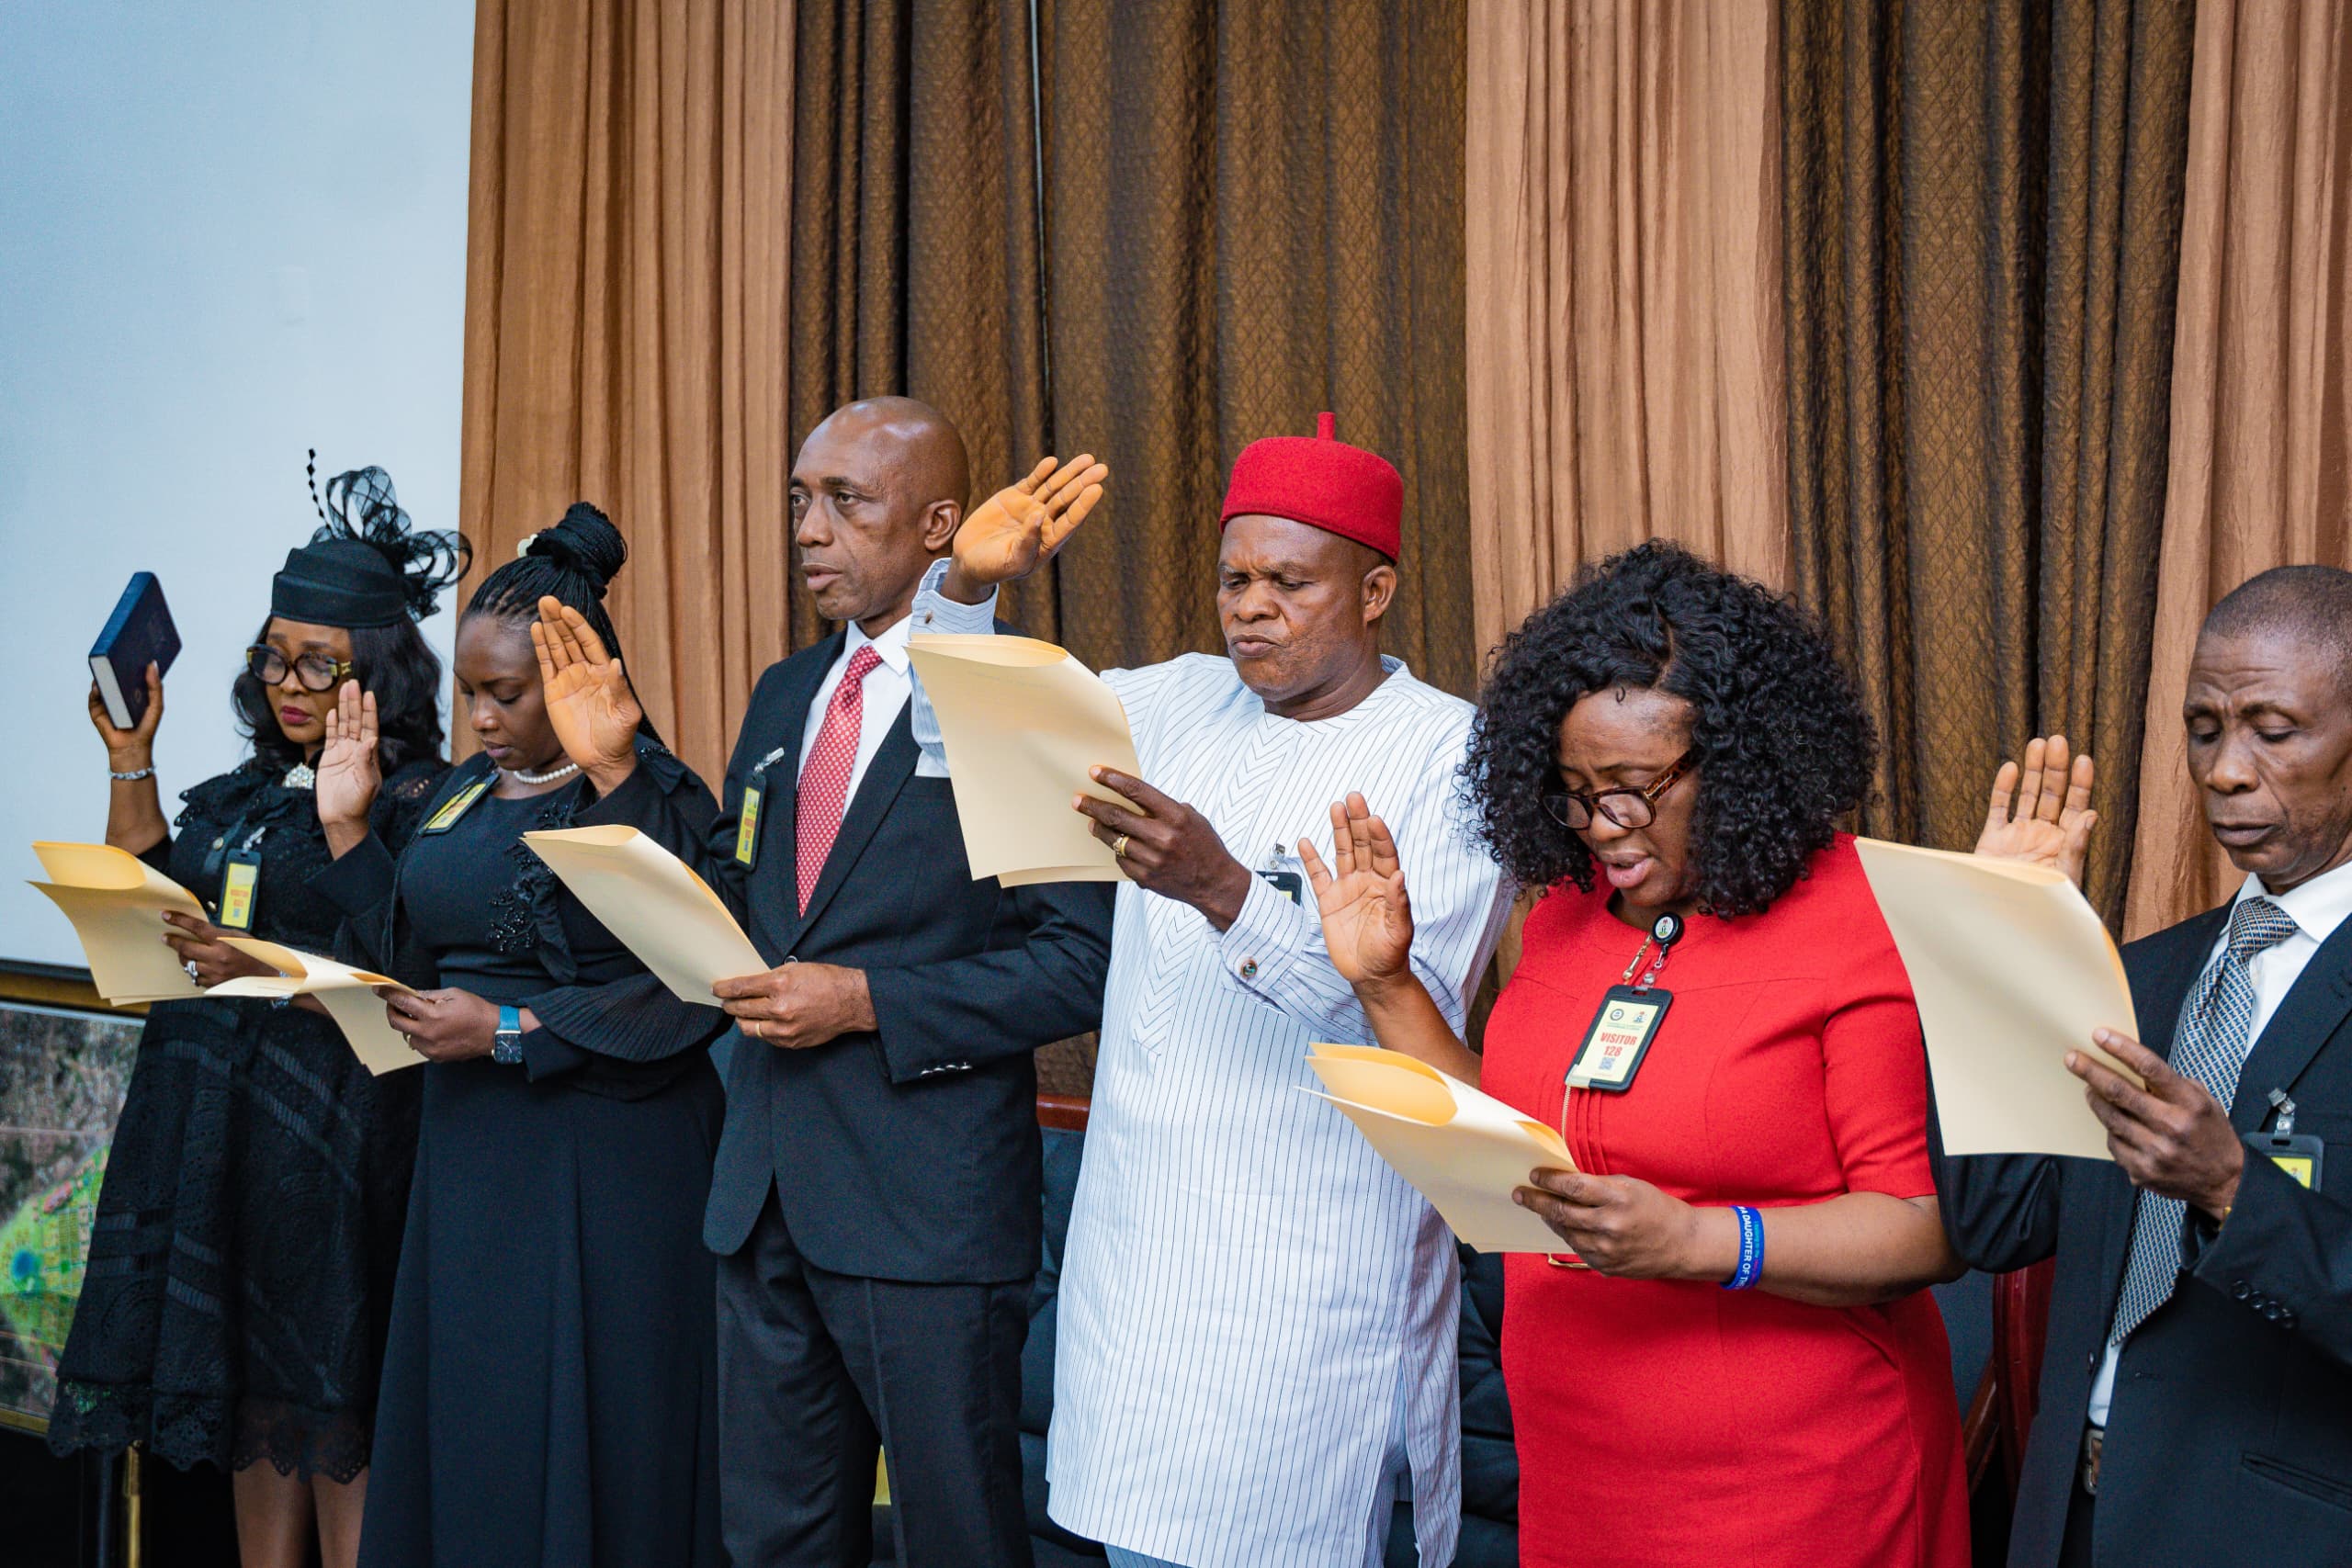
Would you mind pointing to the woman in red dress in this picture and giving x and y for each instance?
(1733, 1359)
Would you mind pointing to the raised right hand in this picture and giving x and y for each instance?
(1367, 919)
(1019, 527)
(594, 712)
(2042, 816)
(127, 750)
(349, 772)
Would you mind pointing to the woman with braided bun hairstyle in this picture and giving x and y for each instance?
(241, 1267)
(550, 1389)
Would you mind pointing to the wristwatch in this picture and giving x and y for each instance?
(506, 1045)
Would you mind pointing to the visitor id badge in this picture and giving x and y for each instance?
(457, 805)
(747, 818)
(2297, 1154)
(240, 883)
(1619, 1037)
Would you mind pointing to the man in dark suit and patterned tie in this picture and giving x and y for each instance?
(875, 1203)
(2196, 1394)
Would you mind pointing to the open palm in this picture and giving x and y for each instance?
(1009, 533)
(589, 702)
(1367, 919)
(348, 771)
(2042, 813)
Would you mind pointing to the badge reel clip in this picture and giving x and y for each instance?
(1622, 1030)
(2300, 1154)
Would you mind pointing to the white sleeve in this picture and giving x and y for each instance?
(935, 612)
(1461, 899)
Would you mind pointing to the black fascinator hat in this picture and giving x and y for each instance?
(366, 566)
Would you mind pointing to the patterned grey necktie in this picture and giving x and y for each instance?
(2211, 1047)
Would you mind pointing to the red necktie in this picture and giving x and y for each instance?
(824, 782)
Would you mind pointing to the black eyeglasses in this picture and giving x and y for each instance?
(1627, 807)
(317, 672)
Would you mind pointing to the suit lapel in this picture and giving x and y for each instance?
(2313, 1010)
(893, 766)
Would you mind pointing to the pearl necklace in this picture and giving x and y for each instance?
(552, 774)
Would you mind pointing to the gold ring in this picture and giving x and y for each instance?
(1119, 847)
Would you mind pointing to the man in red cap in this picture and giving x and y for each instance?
(1255, 1352)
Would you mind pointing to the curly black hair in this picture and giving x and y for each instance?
(1780, 742)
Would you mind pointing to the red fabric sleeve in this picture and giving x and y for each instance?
(1874, 1063)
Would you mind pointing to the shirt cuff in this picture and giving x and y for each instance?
(358, 881)
(936, 613)
(1264, 939)
(635, 803)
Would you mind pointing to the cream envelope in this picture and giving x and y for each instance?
(1022, 722)
(348, 994)
(657, 905)
(117, 903)
(2012, 968)
(1466, 1151)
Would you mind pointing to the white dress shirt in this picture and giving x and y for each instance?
(1250, 1295)
(888, 685)
(2317, 908)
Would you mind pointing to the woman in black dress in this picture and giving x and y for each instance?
(551, 1393)
(241, 1266)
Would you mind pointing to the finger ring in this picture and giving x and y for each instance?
(1119, 847)
(190, 967)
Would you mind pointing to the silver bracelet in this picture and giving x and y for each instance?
(146, 772)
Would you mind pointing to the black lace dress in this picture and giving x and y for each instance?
(550, 1389)
(241, 1266)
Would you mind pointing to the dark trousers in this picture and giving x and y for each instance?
(817, 1371)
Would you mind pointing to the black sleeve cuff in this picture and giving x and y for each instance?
(545, 1054)
(637, 804)
(360, 881)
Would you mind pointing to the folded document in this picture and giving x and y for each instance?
(1022, 722)
(655, 904)
(117, 903)
(348, 994)
(1466, 1151)
(2012, 968)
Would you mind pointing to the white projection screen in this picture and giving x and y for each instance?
(228, 233)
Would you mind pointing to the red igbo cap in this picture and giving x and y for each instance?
(1324, 482)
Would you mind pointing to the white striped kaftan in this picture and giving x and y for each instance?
(1249, 1294)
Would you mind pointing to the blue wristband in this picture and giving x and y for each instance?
(1751, 1248)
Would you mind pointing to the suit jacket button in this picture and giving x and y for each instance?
(2240, 1290)
(2286, 1317)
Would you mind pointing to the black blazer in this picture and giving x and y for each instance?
(2230, 1434)
(910, 1153)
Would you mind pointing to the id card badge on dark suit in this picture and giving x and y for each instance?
(751, 808)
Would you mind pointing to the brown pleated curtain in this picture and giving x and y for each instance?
(1255, 212)
(1252, 215)
(2262, 412)
(626, 280)
(1982, 231)
(914, 234)
(1624, 355)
